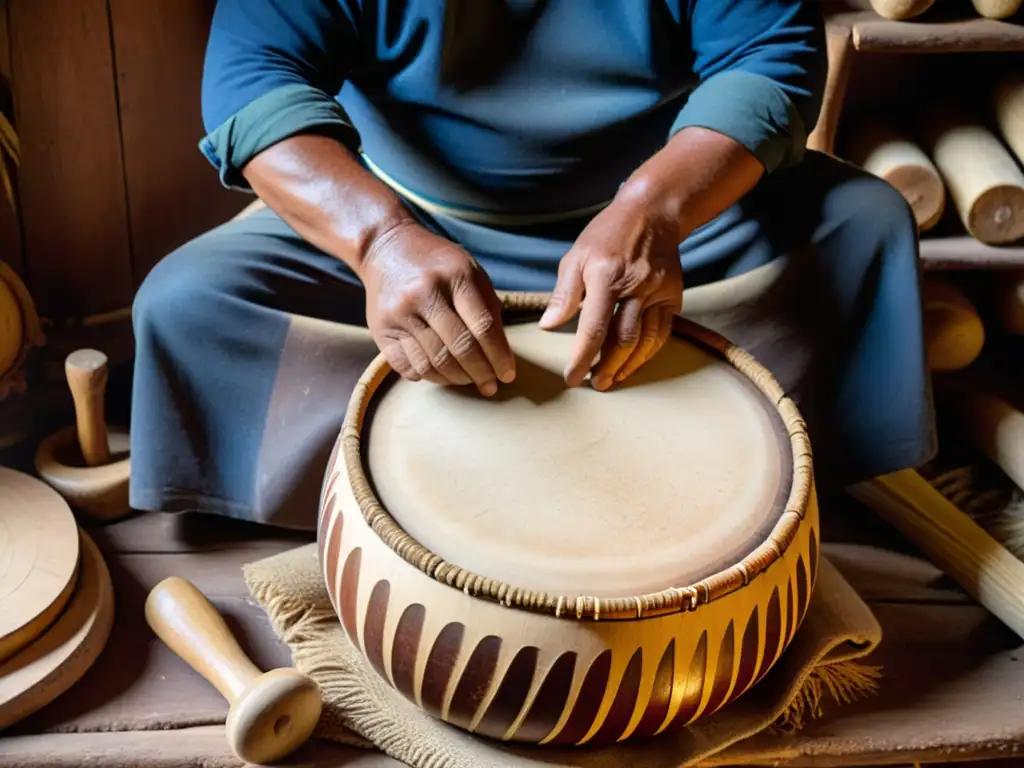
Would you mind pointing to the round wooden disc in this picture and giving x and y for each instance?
(39, 553)
(59, 658)
(679, 471)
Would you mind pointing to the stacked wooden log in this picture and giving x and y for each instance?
(976, 159)
(903, 10)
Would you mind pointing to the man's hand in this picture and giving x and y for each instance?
(624, 270)
(433, 312)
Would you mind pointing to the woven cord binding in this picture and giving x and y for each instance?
(579, 607)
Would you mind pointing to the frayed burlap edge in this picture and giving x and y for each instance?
(844, 681)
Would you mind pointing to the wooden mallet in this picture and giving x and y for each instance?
(87, 463)
(272, 713)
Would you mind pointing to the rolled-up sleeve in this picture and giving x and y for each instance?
(273, 69)
(761, 68)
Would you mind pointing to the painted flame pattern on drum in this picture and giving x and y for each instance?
(511, 675)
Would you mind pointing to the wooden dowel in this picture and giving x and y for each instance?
(272, 713)
(984, 181)
(900, 10)
(950, 539)
(997, 9)
(953, 330)
(888, 152)
(86, 372)
(997, 429)
(1008, 107)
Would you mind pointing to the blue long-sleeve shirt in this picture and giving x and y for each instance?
(534, 106)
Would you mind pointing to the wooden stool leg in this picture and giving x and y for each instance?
(839, 38)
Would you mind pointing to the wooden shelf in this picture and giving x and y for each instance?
(964, 252)
(872, 33)
(947, 28)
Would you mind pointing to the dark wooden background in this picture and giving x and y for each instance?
(106, 102)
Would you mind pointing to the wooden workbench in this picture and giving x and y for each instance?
(949, 668)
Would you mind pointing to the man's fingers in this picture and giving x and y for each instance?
(460, 343)
(591, 331)
(434, 354)
(566, 295)
(419, 360)
(394, 353)
(623, 339)
(657, 325)
(480, 310)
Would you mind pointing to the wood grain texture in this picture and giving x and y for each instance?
(207, 746)
(173, 192)
(10, 222)
(39, 559)
(58, 659)
(73, 204)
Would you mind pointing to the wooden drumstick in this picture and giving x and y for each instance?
(899, 10)
(952, 540)
(983, 179)
(86, 371)
(271, 713)
(997, 9)
(889, 153)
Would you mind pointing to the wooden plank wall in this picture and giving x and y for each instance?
(106, 99)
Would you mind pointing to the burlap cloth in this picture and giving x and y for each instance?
(820, 666)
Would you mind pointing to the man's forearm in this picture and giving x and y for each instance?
(319, 188)
(698, 174)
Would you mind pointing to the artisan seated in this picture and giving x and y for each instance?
(418, 155)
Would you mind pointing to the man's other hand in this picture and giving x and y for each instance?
(624, 278)
(433, 311)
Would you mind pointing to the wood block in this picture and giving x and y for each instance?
(72, 180)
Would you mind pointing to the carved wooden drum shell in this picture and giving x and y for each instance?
(510, 659)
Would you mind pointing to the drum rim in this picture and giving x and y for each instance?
(669, 600)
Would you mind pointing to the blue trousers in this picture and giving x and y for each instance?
(249, 339)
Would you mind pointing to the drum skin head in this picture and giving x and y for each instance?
(670, 476)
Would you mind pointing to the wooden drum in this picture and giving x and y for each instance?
(563, 566)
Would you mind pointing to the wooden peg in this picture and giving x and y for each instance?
(271, 713)
(997, 9)
(889, 152)
(87, 463)
(86, 371)
(953, 330)
(901, 10)
(983, 178)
